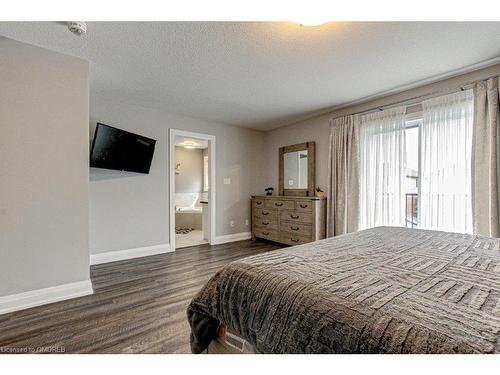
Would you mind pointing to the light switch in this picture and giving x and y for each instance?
(227, 181)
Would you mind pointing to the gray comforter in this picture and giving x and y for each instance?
(383, 290)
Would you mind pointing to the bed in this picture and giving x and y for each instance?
(382, 290)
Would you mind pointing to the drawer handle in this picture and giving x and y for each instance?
(265, 233)
(258, 202)
(265, 213)
(293, 216)
(294, 240)
(278, 204)
(294, 228)
(265, 222)
(303, 206)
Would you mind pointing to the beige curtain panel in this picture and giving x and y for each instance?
(485, 158)
(343, 176)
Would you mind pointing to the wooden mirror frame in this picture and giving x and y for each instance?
(311, 169)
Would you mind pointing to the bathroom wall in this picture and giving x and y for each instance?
(189, 178)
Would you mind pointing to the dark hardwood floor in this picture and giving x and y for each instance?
(138, 305)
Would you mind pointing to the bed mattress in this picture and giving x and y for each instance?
(382, 290)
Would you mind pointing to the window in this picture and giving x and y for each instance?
(205, 173)
(416, 172)
(412, 172)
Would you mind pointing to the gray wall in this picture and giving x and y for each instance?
(43, 168)
(190, 177)
(318, 129)
(130, 211)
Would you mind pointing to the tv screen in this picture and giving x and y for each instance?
(118, 149)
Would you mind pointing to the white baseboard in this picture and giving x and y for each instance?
(232, 237)
(21, 301)
(113, 256)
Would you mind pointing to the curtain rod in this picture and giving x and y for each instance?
(417, 99)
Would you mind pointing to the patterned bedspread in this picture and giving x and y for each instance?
(382, 290)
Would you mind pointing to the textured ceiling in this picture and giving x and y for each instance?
(261, 75)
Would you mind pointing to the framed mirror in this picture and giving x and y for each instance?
(297, 169)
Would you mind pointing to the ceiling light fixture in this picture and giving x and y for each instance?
(312, 21)
(189, 145)
(77, 27)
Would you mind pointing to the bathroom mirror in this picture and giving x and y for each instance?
(297, 169)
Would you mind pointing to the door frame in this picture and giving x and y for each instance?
(211, 181)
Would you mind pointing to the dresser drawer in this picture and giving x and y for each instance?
(304, 206)
(268, 234)
(262, 213)
(296, 228)
(280, 204)
(258, 203)
(265, 223)
(293, 239)
(296, 216)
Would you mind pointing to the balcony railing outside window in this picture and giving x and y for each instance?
(411, 210)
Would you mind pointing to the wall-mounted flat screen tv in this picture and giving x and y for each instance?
(118, 149)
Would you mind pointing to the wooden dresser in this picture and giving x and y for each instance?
(288, 219)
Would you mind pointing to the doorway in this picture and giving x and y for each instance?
(192, 189)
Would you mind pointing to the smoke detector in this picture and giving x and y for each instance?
(77, 27)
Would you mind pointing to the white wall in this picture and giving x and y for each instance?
(190, 177)
(44, 187)
(131, 210)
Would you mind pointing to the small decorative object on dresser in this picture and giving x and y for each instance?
(319, 193)
(269, 190)
(288, 219)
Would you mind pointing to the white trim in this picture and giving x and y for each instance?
(32, 298)
(212, 181)
(233, 237)
(139, 252)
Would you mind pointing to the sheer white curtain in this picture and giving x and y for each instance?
(445, 163)
(382, 168)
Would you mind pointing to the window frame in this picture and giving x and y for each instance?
(206, 184)
(412, 121)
